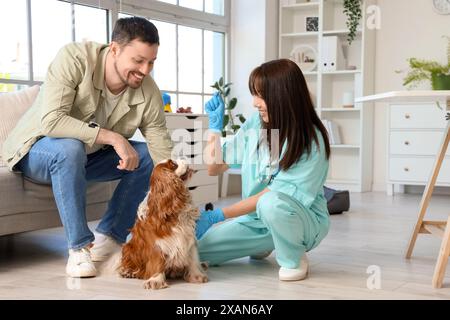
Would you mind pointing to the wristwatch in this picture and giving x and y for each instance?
(93, 124)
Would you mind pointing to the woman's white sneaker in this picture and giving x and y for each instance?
(80, 264)
(296, 274)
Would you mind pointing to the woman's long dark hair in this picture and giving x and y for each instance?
(281, 84)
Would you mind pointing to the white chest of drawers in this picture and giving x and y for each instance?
(188, 135)
(415, 131)
(415, 134)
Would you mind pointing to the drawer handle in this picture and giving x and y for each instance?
(192, 117)
(192, 188)
(407, 143)
(406, 169)
(407, 116)
(192, 130)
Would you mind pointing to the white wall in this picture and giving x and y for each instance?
(409, 28)
(254, 40)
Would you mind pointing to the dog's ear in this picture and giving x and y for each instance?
(168, 194)
(187, 175)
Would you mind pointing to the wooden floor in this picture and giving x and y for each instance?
(374, 233)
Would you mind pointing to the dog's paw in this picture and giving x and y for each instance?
(175, 273)
(204, 265)
(155, 284)
(128, 274)
(197, 277)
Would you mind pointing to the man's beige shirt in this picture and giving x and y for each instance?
(69, 97)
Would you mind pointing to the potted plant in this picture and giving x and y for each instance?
(230, 124)
(428, 70)
(353, 11)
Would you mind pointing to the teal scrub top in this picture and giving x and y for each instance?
(303, 181)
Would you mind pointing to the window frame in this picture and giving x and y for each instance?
(150, 9)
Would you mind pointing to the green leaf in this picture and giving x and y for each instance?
(226, 119)
(232, 104)
(227, 85)
(224, 133)
(414, 77)
(227, 92)
(235, 128)
(221, 81)
(353, 11)
(425, 65)
(241, 117)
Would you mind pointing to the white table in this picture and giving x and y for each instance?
(438, 228)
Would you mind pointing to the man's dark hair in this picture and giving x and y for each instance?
(129, 29)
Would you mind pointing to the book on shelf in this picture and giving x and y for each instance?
(333, 132)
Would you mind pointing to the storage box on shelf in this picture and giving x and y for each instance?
(188, 134)
(349, 72)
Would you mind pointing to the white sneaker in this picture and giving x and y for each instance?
(103, 247)
(296, 274)
(80, 264)
(261, 255)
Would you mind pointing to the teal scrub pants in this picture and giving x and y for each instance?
(281, 223)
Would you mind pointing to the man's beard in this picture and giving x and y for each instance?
(125, 81)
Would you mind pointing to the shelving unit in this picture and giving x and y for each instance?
(350, 162)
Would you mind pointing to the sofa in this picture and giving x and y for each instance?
(25, 205)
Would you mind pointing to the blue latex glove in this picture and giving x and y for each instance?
(215, 108)
(166, 99)
(207, 219)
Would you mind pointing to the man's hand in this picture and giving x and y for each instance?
(129, 158)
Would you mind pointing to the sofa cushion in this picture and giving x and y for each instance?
(12, 106)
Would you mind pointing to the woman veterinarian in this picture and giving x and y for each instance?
(283, 174)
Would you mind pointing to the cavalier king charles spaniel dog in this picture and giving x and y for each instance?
(163, 243)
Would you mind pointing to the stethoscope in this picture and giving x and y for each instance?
(267, 179)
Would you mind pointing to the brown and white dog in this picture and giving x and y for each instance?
(163, 242)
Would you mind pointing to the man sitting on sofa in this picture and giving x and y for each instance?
(93, 99)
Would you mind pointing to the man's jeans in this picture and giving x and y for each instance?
(63, 163)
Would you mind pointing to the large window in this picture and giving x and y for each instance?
(90, 24)
(190, 60)
(25, 57)
(14, 62)
(192, 34)
(208, 6)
